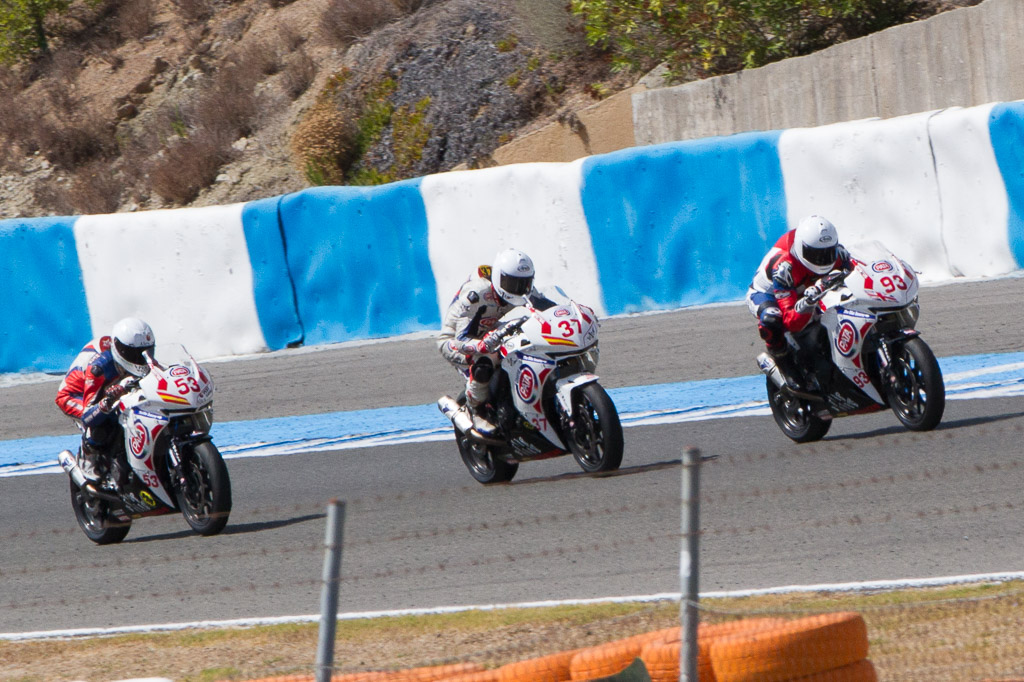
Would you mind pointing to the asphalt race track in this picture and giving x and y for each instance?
(870, 502)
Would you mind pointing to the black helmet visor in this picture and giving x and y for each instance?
(517, 286)
(820, 257)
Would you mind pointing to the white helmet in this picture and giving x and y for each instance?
(816, 244)
(512, 276)
(130, 338)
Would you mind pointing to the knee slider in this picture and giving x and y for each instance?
(482, 369)
(770, 325)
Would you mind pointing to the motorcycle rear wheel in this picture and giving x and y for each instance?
(795, 417)
(205, 499)
(93, 515)
(596, 435)
(917, 395)
(483, 464)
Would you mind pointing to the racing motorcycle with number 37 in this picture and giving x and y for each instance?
(546, 397)
(167, 461)
(862, 354)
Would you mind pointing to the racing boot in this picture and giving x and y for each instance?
(786, 363)
(87, 463)
(477, 394)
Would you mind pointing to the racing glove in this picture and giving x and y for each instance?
(111, 394)
(805, 305)
(488, 344)
(815, 289)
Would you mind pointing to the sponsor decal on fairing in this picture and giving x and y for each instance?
(562, 312)
(846, 338)
(882, 266)
(526, 384)
(137, 441)
(179, 371)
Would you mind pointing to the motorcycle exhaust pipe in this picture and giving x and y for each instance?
(70, 466)
(459, 417)
(767, 364)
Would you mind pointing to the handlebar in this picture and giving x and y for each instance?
(512, 327)
(833, 281)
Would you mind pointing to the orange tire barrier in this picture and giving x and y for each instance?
(793, 650)
(662, 657)
(551, 668)
(861, 671)
(613, 657)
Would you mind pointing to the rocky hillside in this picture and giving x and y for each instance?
(199, 102)
(147, 104)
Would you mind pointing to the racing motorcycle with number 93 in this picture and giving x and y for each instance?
(167, 461)
(860, 353)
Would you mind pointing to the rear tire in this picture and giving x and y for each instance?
(205, 500)
(596, 435)
(484, 464)
(93, 516)
(917, 395)
(796, 417)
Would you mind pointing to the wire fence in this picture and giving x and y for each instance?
(952, 632)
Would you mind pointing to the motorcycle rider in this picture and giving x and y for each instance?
(790, 276)
(474, 311)
(91, 387)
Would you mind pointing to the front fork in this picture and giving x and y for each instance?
(175, 459)
(886, 374)
(563, 397)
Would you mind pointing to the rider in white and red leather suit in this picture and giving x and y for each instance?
(479, 304)
(780, 295)
(71, 397)
(90, 388)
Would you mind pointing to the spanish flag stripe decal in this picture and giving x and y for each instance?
(172, 398)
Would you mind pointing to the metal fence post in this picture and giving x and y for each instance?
(689, 563)
(329, 592)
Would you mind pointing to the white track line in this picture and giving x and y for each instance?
(873, 585)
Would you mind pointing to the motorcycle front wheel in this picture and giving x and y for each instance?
(205, 498)
(483, 463)
(917, 394)
(595, 436)
(93, 516)
(796, 417)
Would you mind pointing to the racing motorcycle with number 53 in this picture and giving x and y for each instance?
(167, 461)
(862, 354)
(546, 397)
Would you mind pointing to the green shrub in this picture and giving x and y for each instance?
(24, 29)
(706, 37)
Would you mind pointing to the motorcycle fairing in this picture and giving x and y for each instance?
(179, 386)
(528, 375)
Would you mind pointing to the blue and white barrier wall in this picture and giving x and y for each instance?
(641, 229)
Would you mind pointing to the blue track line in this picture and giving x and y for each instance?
(967, 376)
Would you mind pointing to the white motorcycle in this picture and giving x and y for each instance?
(546, 397)
(862, 354)
(167, 461)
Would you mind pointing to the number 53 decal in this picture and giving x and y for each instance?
(186, 385)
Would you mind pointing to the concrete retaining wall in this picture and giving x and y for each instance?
(965, 57)
(640, 229)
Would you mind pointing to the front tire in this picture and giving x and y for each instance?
(596, 434)
(796, 417)
(205, 499)
(93, 516)
(916, 392)
(483, 462)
